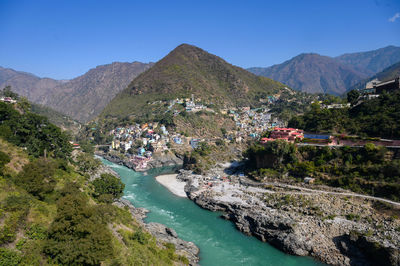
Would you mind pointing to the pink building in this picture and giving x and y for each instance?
(287, 134)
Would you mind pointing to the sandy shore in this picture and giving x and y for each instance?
(173, 185)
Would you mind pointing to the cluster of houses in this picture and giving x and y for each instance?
(190, 104)
(141, 137)
(250, 122)
(7, 100)
(139, 141)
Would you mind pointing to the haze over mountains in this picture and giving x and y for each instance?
(334, 75)
(81, 98)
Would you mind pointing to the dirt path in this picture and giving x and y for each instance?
(313, 191)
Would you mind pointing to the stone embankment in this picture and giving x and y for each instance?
(333, 229)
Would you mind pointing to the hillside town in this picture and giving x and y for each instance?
(140, 141)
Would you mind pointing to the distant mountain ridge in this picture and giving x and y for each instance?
(322, 74)
(374, 61)
(313, 73)
(84, 97)
(81, 98)
(389, 73)
(190, 70)
(26, 84)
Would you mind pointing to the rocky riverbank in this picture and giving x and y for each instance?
(333, 229)
(163, 233)
(158, 160)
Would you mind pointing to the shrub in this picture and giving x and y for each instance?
(16, 203)
(9, 257)
(141, 237)
(36, 231)
(78, 236)
(4, 159)
(37, 177)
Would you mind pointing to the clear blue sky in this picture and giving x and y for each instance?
(64, 39)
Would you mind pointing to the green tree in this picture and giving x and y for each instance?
(303, 169)
(9, 257)
(274, 154)
(108, 187)
(34, 132)
(4, 159)
(223, 131)
(352, 96)
(78, 235)
(37, 177)
(87, 163)
(86, 146)
(7, 92)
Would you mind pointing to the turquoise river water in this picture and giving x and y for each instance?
(219, 241)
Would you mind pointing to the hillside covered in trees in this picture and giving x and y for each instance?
(372, 170)
(56, 208)
(377, 117)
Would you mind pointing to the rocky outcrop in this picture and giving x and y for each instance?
(163, 233)
(161, 160)
(301, 230)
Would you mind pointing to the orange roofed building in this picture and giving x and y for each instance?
(287, 134)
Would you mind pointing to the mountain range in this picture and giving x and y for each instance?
(333, 75)
(81, 98)
(189, 69)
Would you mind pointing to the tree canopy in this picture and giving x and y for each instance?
(78, 235)
(108, 187)
(34, 132)
(377, 117)
(37, 177)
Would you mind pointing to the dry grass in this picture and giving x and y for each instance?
(18, 157)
